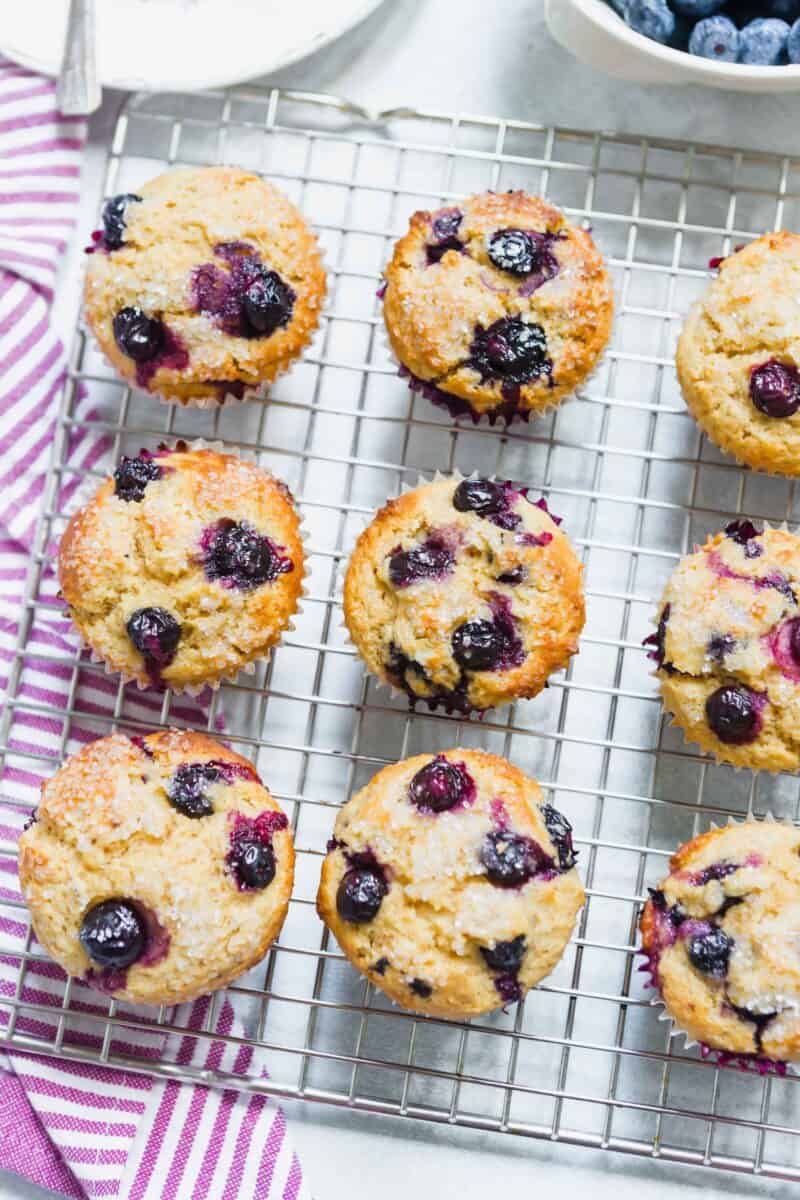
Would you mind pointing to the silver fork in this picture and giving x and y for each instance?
(78, 92)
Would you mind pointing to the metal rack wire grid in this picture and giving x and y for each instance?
(585, 1059)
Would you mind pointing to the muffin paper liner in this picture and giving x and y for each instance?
(248, 668)
(751, 1064)
(380, 680)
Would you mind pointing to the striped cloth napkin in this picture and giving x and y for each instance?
(78, 1129)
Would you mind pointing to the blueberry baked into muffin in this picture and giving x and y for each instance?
(157, 868)
(727, 647)
(450, 884)
(184, 567)
(497, 307)
(737, 357)
(719, 934)
(206, 284)
(464, 594)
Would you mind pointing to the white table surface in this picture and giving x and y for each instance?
(494, 58)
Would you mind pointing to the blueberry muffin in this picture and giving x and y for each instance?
(738, 360)
(157, 868)
(207, 284)
(719, 934)
(727, 647)
(464, 594)
(450, 884)
(497, 307)
(184, 567)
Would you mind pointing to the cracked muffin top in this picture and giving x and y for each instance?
(185, 566)
(464, 594)
(738, 361)
(720, 937)
(498, 306)
(727, 647)
(204, 285)
(450, 883)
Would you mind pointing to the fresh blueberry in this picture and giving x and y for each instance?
(113, 934)
(763, 42)
(514, 250)
(511, 350)
(360, 894)
(505, 957)
(793, 43)
(155, 633)
(709, 952)
(650, 17)
(133, 475)
(267, 303)
(697, 8)
(794, 640)
(775, 389)
(431, 559)
(480, 496)
(716, 38)
(441, 785)
(477, 645)
(560, 832)
(511, 859)
(237, 555)
(187, 789)
(138, 336)
(114, 223)
(733, 713)
(420, 988)
(255, 864)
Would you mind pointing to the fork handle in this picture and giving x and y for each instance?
(78, 92)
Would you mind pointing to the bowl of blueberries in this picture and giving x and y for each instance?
(742, 45)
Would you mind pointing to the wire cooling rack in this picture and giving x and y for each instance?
(585, 1059)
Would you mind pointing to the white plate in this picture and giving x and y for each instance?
(180, 45)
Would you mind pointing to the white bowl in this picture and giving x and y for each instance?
(594, 33)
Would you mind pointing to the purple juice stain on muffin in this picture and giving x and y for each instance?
(504, 959)
(496, 501)
(512, 352)
(734, 714)
(508, 411)
(442, 786)
(489, 645)
(445, 226)
(514, 576)
(236, 555)
(775, 579)
(133, 475)
(657, 640)
(721, 870)
(720, 645)
(155, 633)
(775, 389)
(251, 854)
(244, 299)
(151, 344)
(784, 645)
(399, 666)
(434, 558)
(744, 533)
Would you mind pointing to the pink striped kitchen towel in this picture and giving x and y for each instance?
(79, 1129)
